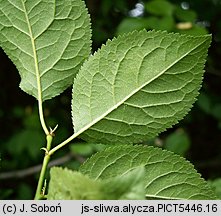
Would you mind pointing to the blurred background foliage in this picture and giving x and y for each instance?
(197, 137)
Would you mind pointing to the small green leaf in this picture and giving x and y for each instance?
(167, 176)
(132, 23)
(161, 23)
(137, 86)
(66, 184)
(159, 7)
(47, 41)
(185, 15)
(178, 142)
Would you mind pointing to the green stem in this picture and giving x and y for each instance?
(41, 114)
(38, 194)
(52, 151)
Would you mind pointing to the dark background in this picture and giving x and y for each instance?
(197, 137)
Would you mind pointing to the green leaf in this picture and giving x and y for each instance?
(167, 176)
(185, 15)
(84, 149)
(47, 41)
(26, 141)
(178, 142)
(129, 186)
(216, 185)
(195, 30)
(159, 7)
(66, 184)
(161, 23)
(132, 23)
(137, 86)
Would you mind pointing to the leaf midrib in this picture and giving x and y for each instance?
(37, 72)
(96, 120)
(157, 197)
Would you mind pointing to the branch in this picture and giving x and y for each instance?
(35, 169)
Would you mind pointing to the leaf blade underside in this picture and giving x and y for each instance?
(137, 86)
(47, 41)
(167, 176)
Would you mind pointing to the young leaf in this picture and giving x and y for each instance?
(167, 176)
(47, 41)
(66, 184)
(137, 86)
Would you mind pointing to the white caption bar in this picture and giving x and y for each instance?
(101, 207)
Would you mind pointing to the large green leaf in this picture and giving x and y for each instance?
(46, 40)
(167, 176)
(66, 184)
(137, 85)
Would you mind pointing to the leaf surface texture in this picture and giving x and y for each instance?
(137, 86)
(167, 176)
(47, 41)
